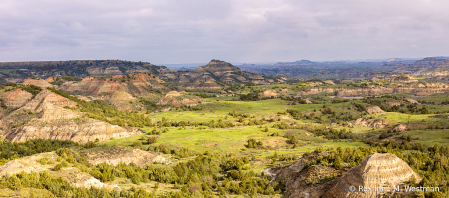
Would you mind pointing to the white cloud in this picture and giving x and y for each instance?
(233, 30)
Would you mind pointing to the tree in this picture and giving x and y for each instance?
(409, 138)
(14, 183)
(337, 163)
(250, 144)
(383, 135)
(293, 140)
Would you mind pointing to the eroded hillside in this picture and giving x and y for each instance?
(51, 116)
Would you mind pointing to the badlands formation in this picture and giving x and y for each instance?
(110, 155)
(418, 89)
(48, 116)
(376, 170)
(16, 98)
(135, 84)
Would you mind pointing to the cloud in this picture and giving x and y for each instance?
(237, 31)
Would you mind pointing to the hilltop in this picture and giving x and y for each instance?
(48, 115)
(77, 68)
(215, 70)
(429, 66)
(134, 84)
(215, 75)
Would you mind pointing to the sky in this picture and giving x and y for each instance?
(196, 31)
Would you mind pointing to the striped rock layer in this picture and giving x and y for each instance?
(376, 170)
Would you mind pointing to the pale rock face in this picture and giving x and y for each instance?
(372, 123)
(411, 101)
(178, 99)
(400, 127)
(121, 99)
(135, 84)
(73, 175)
(392, 103)
(107, 71)
(88, 130)
(40, 83)
(82, 179)
(51, 120)
(50, 106)
(429, 89)
(16, 98)
(27, 164)
(405, 78)
(376, 170)
(213, 71)
(268, 93)
(117, 155)
(374, 109)
(330, 82)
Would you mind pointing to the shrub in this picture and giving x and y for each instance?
(43, 160)
(152, 140)
(58, 167)
(137, 144)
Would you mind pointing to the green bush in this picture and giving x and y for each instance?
(58, 167)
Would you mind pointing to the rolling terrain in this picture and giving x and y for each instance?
(427, 67)
(217, 131)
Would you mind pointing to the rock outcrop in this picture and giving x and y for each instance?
(28, 164)
(268, 93)
(205, 77)
(16, 98)
(371, 123)
(307, 183)
(81, 179)
(178, 99)
(134, 84)
(31, 164)
(411, 101)
(38, 82)
(48, 116)
(117, 154)
(392, 103)
(330, 82)
(122, 100)
(375, 171)
(400, 127)
(419, 89)
(374, 109)
(405, 79)
(83, 130)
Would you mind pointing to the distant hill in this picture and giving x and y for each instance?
(214, 74)
(77, 68)
(215, 70)
(429, 66)
(310, 69)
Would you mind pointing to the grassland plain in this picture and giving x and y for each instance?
(430, 137)
(233, 140)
